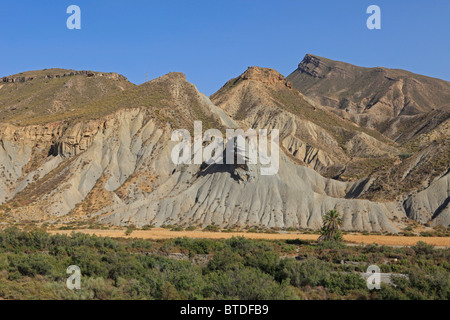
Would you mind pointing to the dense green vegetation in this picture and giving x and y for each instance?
(33, 266)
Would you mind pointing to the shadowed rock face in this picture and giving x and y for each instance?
(110, 162)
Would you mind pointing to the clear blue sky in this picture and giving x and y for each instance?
(212, 41)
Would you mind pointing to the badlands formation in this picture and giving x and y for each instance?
(89, 147)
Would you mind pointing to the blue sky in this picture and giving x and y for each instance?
(212, 41)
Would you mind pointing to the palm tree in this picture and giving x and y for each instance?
(331, 225)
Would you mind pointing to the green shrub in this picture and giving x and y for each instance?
(31, 265)
(212, 228)
(341, 283)
(312, 272)
(246, 284)
(423, 248)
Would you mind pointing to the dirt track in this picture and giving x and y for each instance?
(159, 233)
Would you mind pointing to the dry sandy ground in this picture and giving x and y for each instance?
(159, 233)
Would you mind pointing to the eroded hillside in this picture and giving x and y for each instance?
(104, 155)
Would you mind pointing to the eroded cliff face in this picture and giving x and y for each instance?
(117, 168)
(260, 98)
(427, 205)
(118, 171)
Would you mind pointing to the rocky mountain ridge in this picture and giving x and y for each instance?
(55, 73)
(108, 161)
(394, 102)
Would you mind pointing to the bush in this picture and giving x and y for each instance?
(389, 293)
(225, 260)
(246, 284)
(31, 265)
(423, 248)
(312, 272)
(196, 246)
(341, 283)
(129, 231)
(242, 245)
(263, 259)
(435, 285)
(330, 244)
(212, 228)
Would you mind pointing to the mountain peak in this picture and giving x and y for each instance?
(377, 97)
(265, 75)
(319, 67)
(175, 75)
(169, 78)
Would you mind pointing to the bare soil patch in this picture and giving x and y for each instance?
(160, 234)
